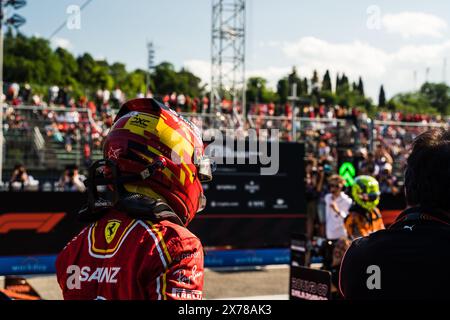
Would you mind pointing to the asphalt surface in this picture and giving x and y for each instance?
(263, 283)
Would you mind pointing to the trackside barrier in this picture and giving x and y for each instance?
(45, 264)
(21, 265)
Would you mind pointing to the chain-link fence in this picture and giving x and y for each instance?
(51, 137)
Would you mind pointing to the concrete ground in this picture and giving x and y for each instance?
(262, 283)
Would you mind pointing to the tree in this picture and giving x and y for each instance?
(119, 73)
(382, 98)
(315, 85)
(32, 60)
(257, 91)
(283, 89)
(294, 78)
(338, 84)
(101, 77)
(344, 84)
(165, 78)
(305, 88)
(412, 102)
(360, 87)
(86, 68)
(438, 96)
(134, 83)
(70, 67)
(315, 80)
(326, 82)
(189, 84)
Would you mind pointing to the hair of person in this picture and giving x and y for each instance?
(427, 174)
(336, 178)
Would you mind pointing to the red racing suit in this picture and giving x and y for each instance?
(119, 257)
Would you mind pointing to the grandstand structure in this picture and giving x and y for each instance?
(47, 139)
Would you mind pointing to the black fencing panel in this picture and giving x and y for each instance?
(246, 208)
(38, 223)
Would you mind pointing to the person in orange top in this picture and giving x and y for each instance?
(364, 217)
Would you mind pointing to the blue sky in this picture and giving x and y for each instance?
(383, 41)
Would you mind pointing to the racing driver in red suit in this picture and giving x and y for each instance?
(136, 245)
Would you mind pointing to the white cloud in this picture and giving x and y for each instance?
(62, 43)
(393, 69)
(354, 58)
(200, 68)
(414, 24)
(376, 66)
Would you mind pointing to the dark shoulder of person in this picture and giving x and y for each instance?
(409, 261)
(356, 208)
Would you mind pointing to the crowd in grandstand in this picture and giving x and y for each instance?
(379, 149)
(81, 122)
(331, 133)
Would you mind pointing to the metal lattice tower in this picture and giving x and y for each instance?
(151, 56)
(150, 62)
(228, 55)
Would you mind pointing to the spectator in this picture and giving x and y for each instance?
(369, 166)
(71, 180)
(337, 206)
(323, 149)
(382, 155)
(387, 181)
(173, 100)
(25, 93)
(181, 101)
(325, 171)
(19, 175)
(21, 180)
(53, 94)
(311, 195)
(410, 259)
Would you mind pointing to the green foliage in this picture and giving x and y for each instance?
(342, 85)
(283, 89)
(411, 103)
(432, 98)
(189, 83)
(294, 78)
(438, 96)
(360, 87)
(326, 82)
(32, 60)
(257, 91)
(382, 98)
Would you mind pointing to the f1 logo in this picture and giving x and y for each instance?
(40, 222)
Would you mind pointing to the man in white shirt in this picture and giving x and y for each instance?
(337, 204)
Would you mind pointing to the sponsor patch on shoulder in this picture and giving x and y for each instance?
(187, 294)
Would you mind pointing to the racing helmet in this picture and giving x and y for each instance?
(366, 192)
(150, 141)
